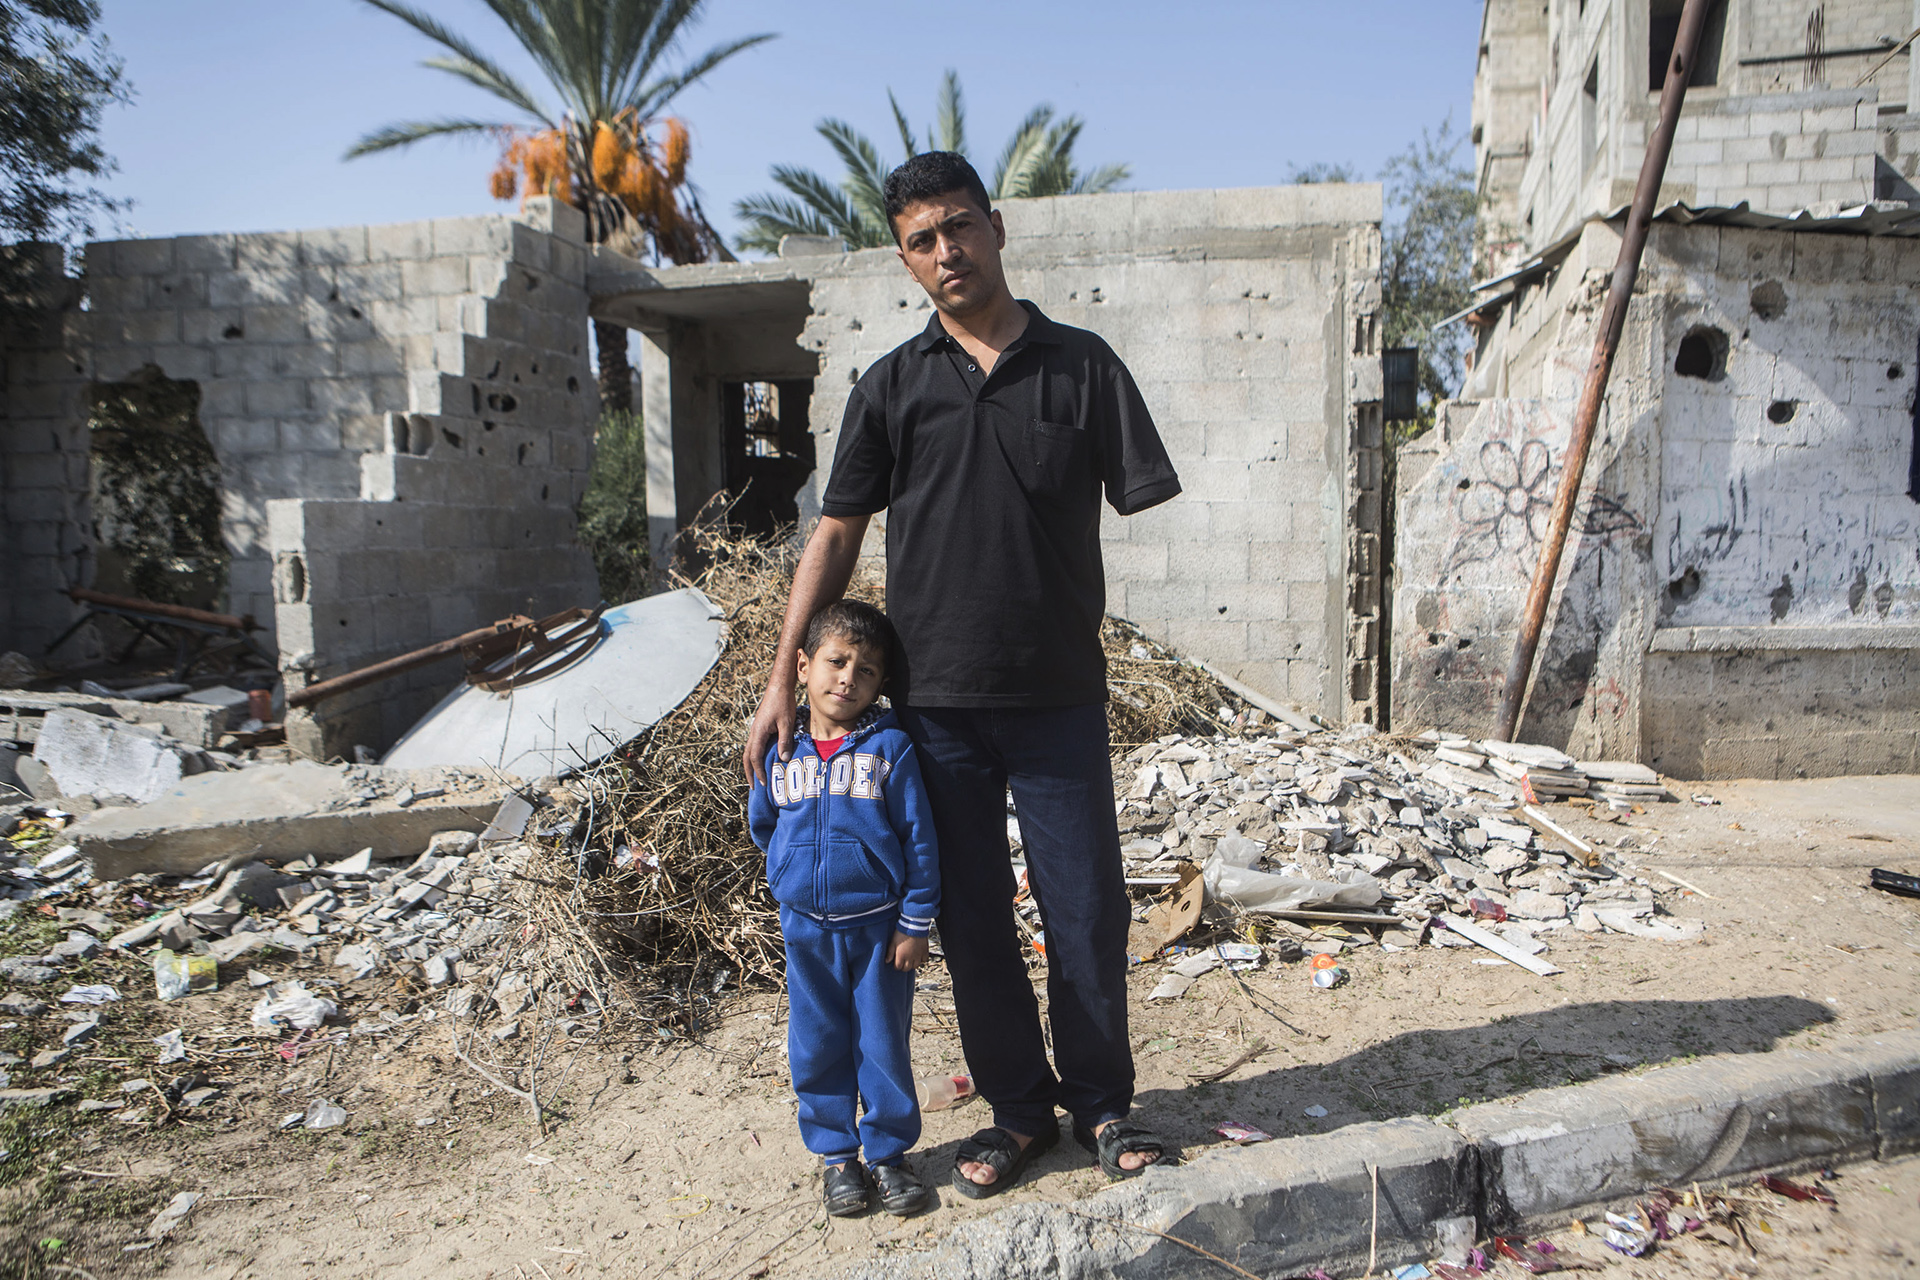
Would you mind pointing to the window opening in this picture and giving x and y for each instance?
(1663, 28)
(768, 450)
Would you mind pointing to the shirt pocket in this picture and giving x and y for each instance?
(858, 879)
(1056, 457)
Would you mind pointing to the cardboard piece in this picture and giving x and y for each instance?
(1169, 919)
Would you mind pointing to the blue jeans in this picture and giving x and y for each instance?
(1054, 759)
(849, 1014)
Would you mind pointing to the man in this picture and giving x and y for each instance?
(988, 440)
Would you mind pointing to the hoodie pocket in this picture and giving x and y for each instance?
(858, 879)
(788, 878)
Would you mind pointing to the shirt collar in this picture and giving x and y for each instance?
(1039, 330)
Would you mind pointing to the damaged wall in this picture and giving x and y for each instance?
(1248, 318)
(402, 417)
(1741, 593)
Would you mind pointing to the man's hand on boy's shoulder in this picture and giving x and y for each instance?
(907, 951)
(774, 721)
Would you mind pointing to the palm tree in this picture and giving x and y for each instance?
(602, 151)
(1037, 161)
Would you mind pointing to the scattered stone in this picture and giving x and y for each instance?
(78, 946)
(34, 969)
(18, 1006)
(43, 1097)
(80, 1032)
(49, 1058)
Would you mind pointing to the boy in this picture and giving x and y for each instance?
(852, 861)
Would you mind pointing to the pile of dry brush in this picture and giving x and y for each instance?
(658, 865)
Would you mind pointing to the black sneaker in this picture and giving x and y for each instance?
(901, 1193)
(845, 1188)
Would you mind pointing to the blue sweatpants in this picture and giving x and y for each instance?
(849, 1013)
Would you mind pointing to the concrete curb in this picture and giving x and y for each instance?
(1540, 1158)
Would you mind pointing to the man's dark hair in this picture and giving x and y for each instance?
(928, 176)
(856, 622)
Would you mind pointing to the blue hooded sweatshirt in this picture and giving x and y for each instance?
(851, 837)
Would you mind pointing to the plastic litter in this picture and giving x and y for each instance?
(1627, 1235)
(1412, 1271)
(175, 974)
(173, 1046)
(1487, 909)
(293, 1004)
(937, 1093)
(322, 1114)
(1317, 1111)
(99, 993)
(1234, 1131)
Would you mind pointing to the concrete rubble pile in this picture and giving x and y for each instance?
(1327, 833)
(439, 927)
(121, 747)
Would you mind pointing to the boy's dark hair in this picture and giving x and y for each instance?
(856, 622)
(928, 176)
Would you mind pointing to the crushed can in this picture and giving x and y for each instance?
(1328, 978)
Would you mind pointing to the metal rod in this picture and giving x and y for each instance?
(394, 666)
(1613, 319)
(1891, 55)
(178, 612)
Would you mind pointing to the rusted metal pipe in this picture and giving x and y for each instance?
(395, 666)
(178, 612)
(1613, 318)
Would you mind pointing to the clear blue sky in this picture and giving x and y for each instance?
(243, 108)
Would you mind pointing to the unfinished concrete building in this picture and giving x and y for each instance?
(1248, 318)
(402, 418)
(1793, 105)
(1740, 595)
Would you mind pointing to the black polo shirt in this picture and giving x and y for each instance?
(992, 485)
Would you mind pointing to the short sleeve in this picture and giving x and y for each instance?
(862, 479)
(1134, 466)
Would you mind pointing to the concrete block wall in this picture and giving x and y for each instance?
(437, 364)
(43, 459)
(463, 510)
(1782, 135)
(1740, 596)
(1248, 319)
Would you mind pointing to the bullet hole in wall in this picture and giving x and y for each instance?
(1781, 412)
(1702, 354)
(1769, 300)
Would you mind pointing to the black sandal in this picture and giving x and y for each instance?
(998, 1150)
(845, 1189)
(1119, 1138)
(902, 1194)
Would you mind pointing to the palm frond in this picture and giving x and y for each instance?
(816, 207)
(906, 130)
(1103, 178)
(395, 136)
(486, 73)
(866, 173)
(1015, 173)
(949, 116)
(655, 97)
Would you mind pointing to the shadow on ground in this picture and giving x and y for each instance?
(1427, 1072)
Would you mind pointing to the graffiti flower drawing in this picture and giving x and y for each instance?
(1503, 511)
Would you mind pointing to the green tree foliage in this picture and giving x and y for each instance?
(56, 75)
(1036, 161)
(613, 510)
(1426, 257)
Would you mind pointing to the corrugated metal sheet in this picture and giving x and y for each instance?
(1875, 218)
